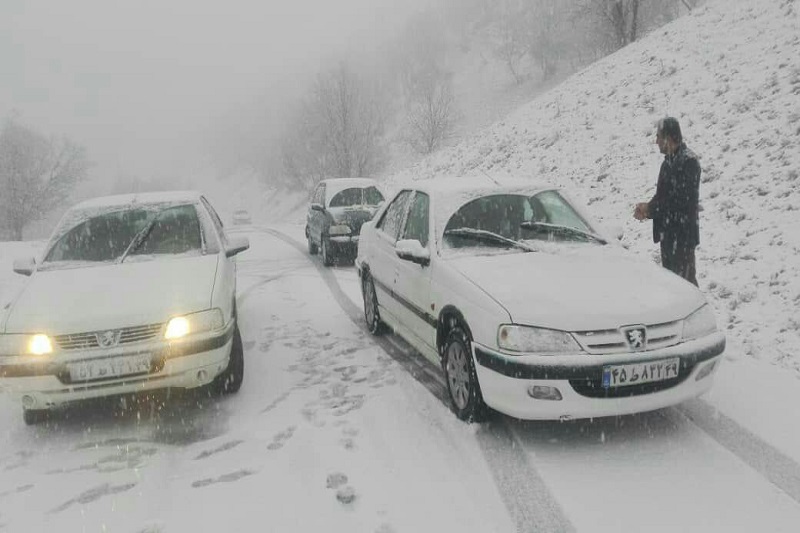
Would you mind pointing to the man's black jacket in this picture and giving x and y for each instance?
(674, 208)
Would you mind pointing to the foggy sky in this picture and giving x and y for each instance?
(137, 81)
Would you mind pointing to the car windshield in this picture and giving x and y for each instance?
(510, 219)
(135, 231)
(357, 196)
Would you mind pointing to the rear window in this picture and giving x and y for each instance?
(357, 196)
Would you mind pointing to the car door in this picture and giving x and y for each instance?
(413, 281)
(315, 219)
(383, 261)
(226, 267)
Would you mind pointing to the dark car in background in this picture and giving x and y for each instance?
(337, 210)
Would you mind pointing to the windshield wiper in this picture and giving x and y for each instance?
(557, 228)
(488, 236)
(139, 238)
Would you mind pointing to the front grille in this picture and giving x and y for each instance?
(88, 340)
(612, 340)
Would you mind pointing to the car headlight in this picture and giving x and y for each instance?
(535, 340)
(13, 345)
(339, 229)
(699, 324)
(180, 326)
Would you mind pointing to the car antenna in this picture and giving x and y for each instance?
(488, 176)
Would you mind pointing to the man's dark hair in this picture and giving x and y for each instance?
(669, 127)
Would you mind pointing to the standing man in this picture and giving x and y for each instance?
(675, 207)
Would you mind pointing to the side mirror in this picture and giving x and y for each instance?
(236, 245)
(317, 207)
(24, 265)
(412, 250)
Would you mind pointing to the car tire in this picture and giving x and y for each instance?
(35, 416)
(463, 388)
(312, 247)
(371, 312)
(230, 380)
(325, 252)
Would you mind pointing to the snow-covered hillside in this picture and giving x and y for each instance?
(730, 71)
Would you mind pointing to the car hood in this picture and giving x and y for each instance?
(75, 300)
(582, 288)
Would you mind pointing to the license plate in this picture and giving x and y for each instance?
(633, 374)
(110, 367)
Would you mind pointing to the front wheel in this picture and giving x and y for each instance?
(371, 313)
(462, 380)
(325, 251)
(230, 381)
(312, 246)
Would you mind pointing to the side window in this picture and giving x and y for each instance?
(215, 220)
(393, 217)
(417, 223)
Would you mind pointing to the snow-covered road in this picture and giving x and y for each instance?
(335, 430)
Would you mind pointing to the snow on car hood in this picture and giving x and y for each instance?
(75, 300)
(581, 288)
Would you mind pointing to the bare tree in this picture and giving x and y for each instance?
(338, 132)
(37, 174)
(512, 35)
(430, 111)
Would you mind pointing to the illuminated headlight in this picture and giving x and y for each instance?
(535, 340)
(180, 326)
(38, 344)
(339, 229)
(699, 324)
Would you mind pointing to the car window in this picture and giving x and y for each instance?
(175, 230)
(356, 196)
(217, 222)
(503, 214)
(103, 237)
(558, 211)
(417, 221)
(319, 195)
(393, 217)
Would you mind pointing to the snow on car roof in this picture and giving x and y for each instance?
(140, 198)
(335, 185)
(451, 192)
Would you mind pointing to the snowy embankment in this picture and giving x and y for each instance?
(730, 72)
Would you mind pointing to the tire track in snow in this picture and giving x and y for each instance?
(527, 498)
(768, 461)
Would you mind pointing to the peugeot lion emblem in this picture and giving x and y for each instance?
(107, 339)
(636, 337)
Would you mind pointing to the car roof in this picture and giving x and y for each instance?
(349, 182)
(188, 197)
(473, 185)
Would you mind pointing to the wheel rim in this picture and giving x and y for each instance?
(458, 374)
(370, 312)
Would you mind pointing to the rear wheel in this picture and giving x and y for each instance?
(325, 251)
(35, 416)
(230, 381)
(462, 380)
(371, 313)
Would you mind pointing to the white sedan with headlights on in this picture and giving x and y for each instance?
(131, 293)
(527, 307)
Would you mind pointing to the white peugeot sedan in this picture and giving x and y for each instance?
(511, 288)
(131, 293)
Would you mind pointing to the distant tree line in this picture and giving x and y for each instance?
(37, 175)
(350, 116)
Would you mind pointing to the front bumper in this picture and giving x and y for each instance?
(505, 381)
(187, 363)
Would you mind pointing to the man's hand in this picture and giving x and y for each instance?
(642, 211)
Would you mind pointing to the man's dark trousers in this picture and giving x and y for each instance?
(679, 258)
